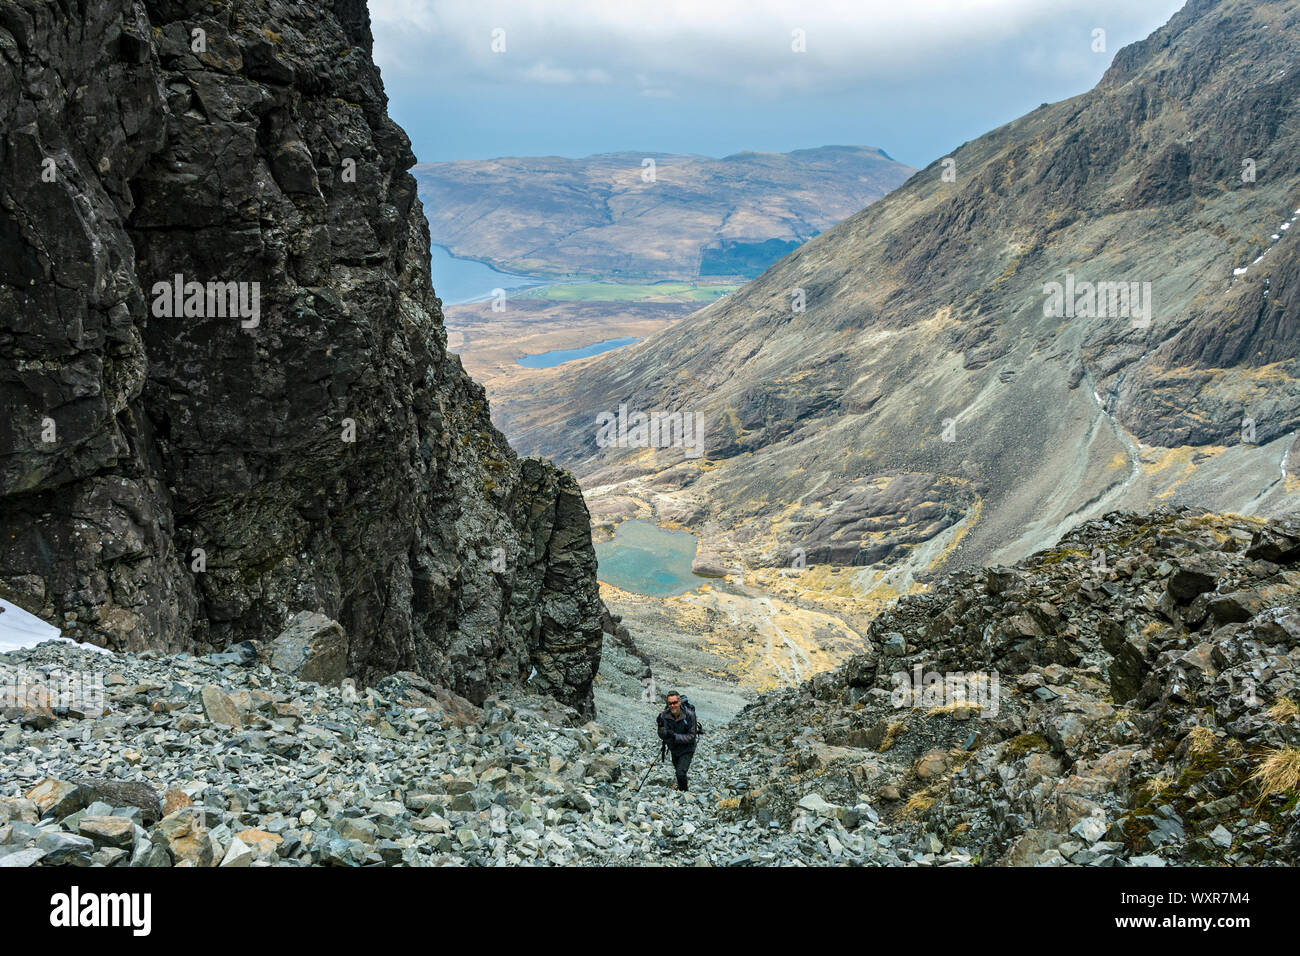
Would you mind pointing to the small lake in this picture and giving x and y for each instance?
(647, 559)
(457, 281)
(559, 356)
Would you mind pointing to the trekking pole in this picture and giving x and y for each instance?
(662, 748)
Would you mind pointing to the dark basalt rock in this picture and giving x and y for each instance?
(188, 482)
(123, 793)
(1111, 731)
(1194, 576)
(1279, 543)
(312, 648)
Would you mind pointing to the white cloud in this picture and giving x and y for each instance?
(546, 72)
(737, 44)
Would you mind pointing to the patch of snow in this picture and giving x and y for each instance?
(19, 630)
(1240, 272)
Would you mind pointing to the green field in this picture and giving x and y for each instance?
(629, 292)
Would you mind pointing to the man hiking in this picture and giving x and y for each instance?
(677, 729)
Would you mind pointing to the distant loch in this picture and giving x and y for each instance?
(646, 559)
(559, 356)
(457, 281)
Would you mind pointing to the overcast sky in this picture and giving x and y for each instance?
(914, 77)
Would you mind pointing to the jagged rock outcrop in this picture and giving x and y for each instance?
(298, 440)
(1126, 696)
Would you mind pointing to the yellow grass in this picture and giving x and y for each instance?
(1200, 740)
(917, 804)
(892, 733)
(1285, 709)
(1278, 773)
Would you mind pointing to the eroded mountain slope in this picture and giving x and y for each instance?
(924, 410)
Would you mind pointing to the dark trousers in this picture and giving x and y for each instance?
(682, 763)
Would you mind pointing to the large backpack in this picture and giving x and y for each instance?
(699, 727)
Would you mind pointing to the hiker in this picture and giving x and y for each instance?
(677, 729)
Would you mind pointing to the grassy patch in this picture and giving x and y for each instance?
(892, 733)
(1200, 741)
(917, 804)
(1056, 557)
(1285, 709)
(1019, 746)
(1278, 772)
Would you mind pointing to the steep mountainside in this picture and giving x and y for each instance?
(927, 408)
(600, 216)
(188, 478)
(1130, 693)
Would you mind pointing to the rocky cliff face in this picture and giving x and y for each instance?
(186, 470)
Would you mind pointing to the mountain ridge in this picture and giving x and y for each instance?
(925, 311)
(600, 215)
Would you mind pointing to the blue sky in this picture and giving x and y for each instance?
(575, 77)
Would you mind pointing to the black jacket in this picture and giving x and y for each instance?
(679, 733)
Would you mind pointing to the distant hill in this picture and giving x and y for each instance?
(929, 406)
(598, 215)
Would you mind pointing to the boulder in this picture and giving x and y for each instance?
(23, 858)
(239, 854)
(313, 647)
(174, 800)
(219, 707)
(933, 763)
(413, 690)
(1278, 542)
(1195, 575)
(185, 838)
(18, 809)
(1129, 663)
(1238, 606)
(58, 798)
(65, 849)
(108, 831)
(709, 564)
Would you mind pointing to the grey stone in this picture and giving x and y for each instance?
(65, 848)
(312, 648)
(23, 858)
